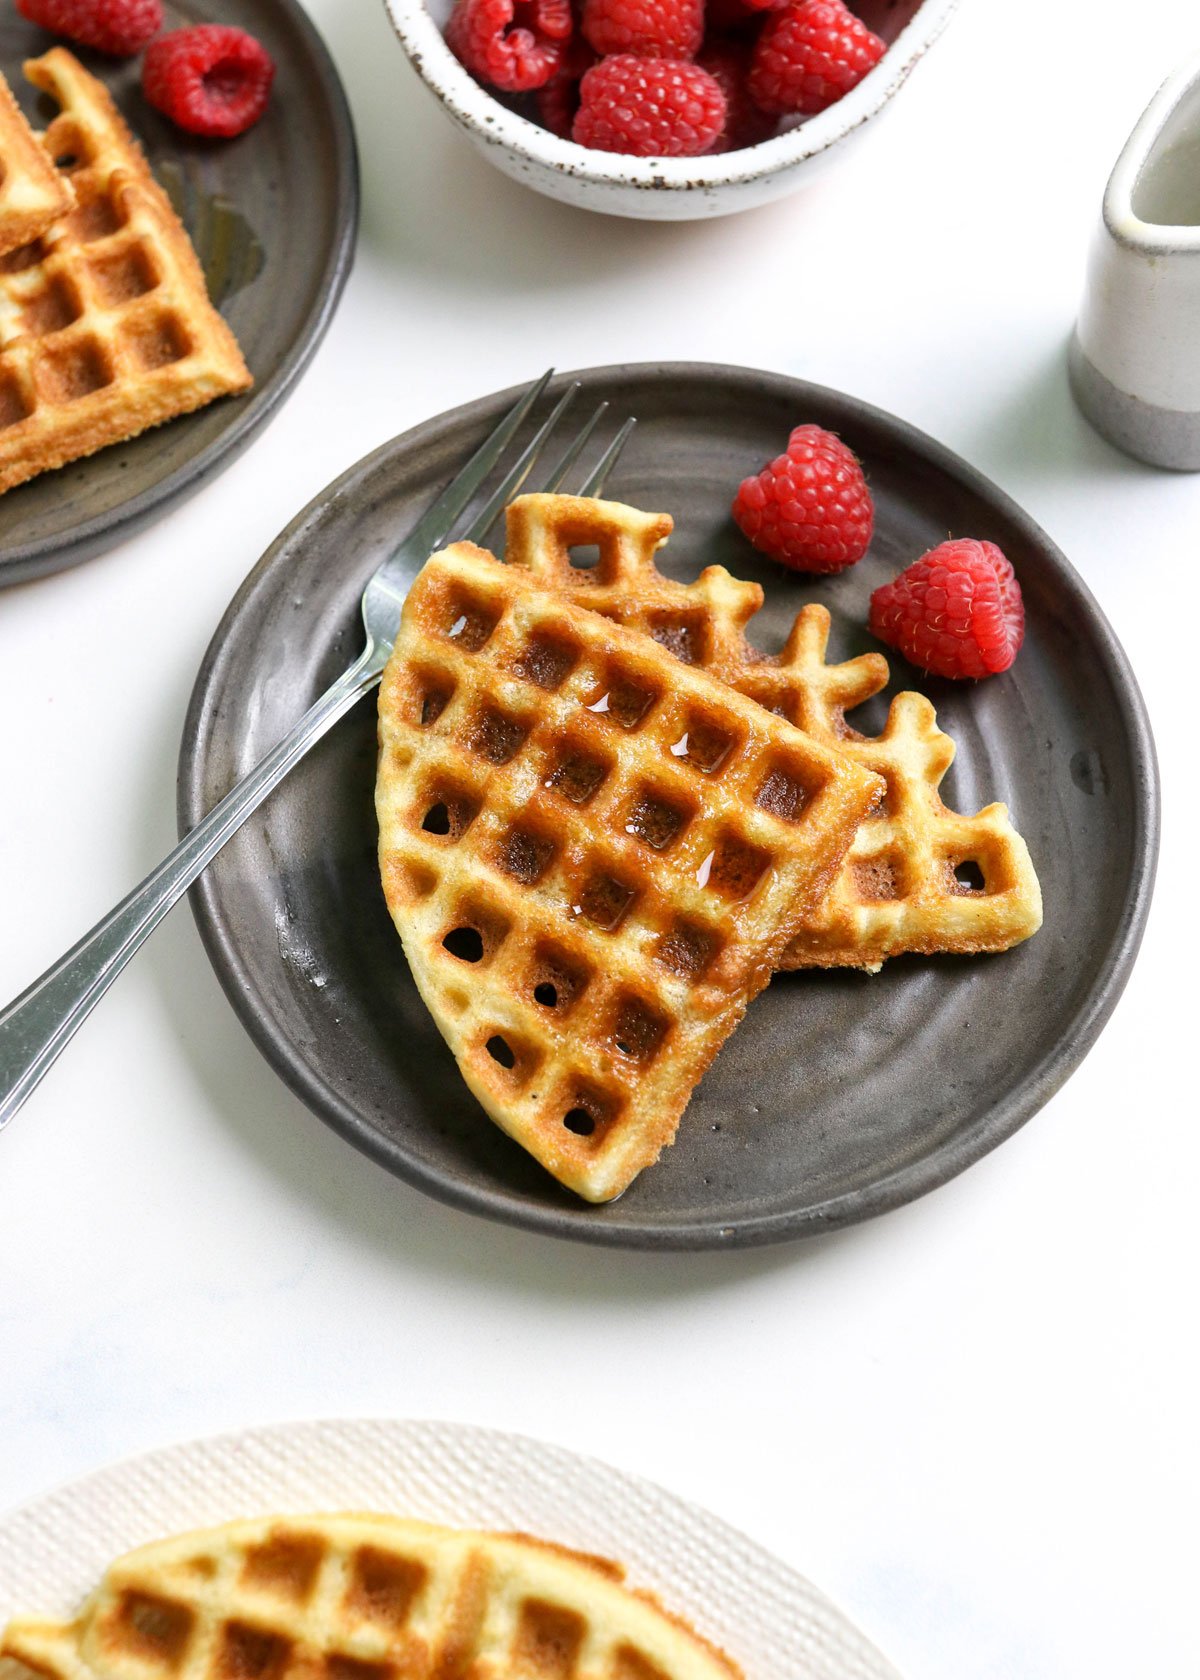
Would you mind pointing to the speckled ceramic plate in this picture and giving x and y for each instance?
(842, 1094)
(279, 201)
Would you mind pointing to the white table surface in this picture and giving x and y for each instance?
(971, 1421)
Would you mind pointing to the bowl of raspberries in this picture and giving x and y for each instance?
(664, 109)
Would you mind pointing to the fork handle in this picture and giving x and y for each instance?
(36, 1026)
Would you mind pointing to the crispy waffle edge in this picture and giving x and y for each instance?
(48, 193)
(699, 1016)
(704, 623)
(626, 1631)
(123, 396)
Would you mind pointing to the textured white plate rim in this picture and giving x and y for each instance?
(770, 1618)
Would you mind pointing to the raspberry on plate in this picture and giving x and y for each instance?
(211, 79)
(651, 28)
(120, 27)
(957, 611)
(727, 60)
(515, 45)
(809, 55)
(809, 508)
(649, 107)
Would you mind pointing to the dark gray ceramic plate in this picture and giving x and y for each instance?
(841, 1095)
(273, 216)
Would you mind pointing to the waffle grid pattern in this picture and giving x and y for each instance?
(595, 858)
(363, 1598)
(918, 876)
(105, 323)
(771, 1619)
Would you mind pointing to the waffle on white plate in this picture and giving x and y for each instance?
(32, 191)
(918, 877)
(106, 327)
(594, 855)
(363, 1597)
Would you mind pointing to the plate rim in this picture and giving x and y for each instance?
(511, 1449)
(42, 557)
(885, 1193)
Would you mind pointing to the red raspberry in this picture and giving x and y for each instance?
(558, 101)
(957, 611)
(649, 107)
(651, 28)
(810, 509)
(515, 45)
(808, 56)
(120, 27)
(211, 79)
(727, 62)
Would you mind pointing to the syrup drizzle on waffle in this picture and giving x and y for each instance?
(595, 856)
(918, 877)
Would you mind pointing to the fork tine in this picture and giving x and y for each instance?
(594, 483)
(515, 477)
(574, 451)
(438, 521)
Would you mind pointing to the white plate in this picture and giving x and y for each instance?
(771, 1620)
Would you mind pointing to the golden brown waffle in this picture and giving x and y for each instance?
(918, 876)
(363, 1597)
(594, 856)
(105, 324)
(32, 192)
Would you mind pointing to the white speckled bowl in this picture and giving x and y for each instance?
(665, 189)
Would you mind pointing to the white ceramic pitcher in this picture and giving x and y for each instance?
(1135, 354)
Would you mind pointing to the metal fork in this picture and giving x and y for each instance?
(37, 1025)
